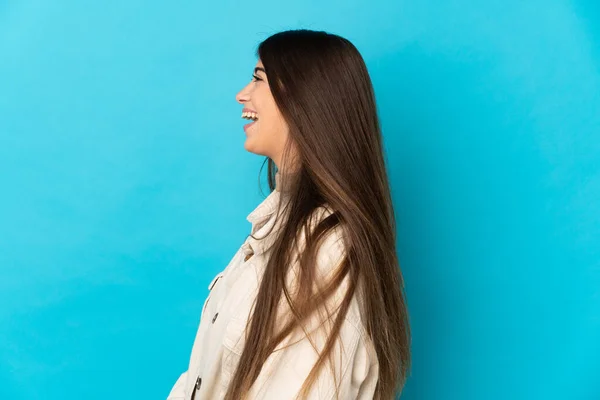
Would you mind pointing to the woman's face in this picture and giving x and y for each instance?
(266, 136)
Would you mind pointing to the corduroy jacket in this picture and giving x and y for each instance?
(220, 337)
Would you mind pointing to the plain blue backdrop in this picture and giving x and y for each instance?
(125, 186)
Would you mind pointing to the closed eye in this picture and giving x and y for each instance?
(256, 77)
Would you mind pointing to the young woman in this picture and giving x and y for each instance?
(312, 304)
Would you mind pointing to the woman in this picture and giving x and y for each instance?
(312, 305)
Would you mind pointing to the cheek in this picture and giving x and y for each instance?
(270, 124)
(273, 132)
(268, 136)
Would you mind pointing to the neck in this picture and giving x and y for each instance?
(280, 177)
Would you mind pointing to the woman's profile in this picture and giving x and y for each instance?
(312, 305)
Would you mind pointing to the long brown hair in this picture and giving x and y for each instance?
(320, 84)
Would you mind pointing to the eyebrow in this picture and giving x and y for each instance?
(259, 69)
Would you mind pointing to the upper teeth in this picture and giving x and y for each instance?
(250, 115)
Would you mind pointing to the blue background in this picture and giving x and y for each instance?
(125, 186)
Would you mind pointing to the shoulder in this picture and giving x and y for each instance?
(330, 254)
(333, 245)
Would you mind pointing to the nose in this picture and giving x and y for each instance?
(243, 95)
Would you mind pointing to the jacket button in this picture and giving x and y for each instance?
(198, 383)
(215, 318)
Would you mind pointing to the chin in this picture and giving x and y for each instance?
(250, 148)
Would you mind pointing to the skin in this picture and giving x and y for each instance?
(268, 135)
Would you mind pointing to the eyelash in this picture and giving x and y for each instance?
(256, 77)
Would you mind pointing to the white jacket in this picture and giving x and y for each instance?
(220, 337)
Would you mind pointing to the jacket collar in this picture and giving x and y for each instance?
(267, 207)
(263, 218)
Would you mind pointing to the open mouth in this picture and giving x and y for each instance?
(252, 116)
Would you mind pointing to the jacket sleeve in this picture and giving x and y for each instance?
(177, 391)
(285, 371)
